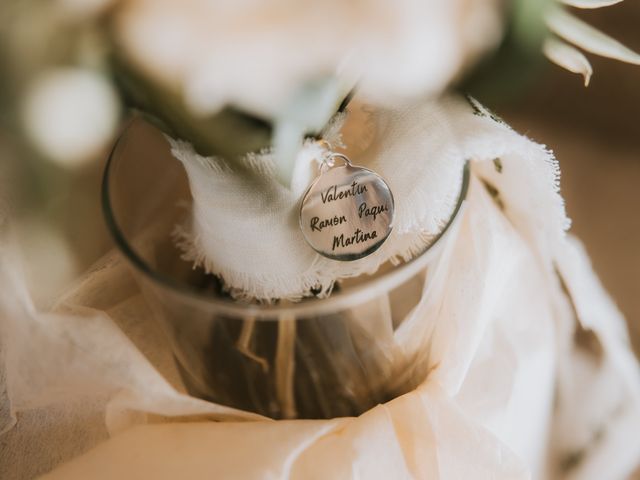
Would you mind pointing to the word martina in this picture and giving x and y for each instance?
(358, 237)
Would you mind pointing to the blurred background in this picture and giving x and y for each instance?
(594, 132)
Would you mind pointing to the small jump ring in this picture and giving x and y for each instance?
(325, 144)
(339, 155)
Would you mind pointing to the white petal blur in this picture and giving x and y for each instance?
(70, 115)
(254, 54)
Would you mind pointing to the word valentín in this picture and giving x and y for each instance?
(358, 237)
(332, 194)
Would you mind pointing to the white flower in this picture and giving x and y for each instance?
(255, 55)
(70, 114)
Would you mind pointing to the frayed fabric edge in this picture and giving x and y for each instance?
(318, 281)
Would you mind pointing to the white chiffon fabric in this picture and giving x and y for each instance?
(531, 374)
(252, 239)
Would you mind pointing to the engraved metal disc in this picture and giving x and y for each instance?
(347, 213)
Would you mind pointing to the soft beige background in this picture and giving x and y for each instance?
(595, 133)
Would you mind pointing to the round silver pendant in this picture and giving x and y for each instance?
(347, 212)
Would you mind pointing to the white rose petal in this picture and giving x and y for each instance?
(255, 55)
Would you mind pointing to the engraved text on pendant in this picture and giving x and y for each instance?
(347, 213)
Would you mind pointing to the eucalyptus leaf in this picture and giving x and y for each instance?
(287, 140)
(514, 65)
(308, 111)
(588, 38)
(229, 133)
(568, 57)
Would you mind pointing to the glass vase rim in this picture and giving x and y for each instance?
(356, 294)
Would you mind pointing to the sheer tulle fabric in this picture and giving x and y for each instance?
(530, 371)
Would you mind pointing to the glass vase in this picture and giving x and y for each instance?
(318, 358)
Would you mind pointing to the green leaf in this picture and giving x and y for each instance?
(229, 133)
(309, 110)
(515, 64)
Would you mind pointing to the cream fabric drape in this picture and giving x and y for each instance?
(531, 370)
